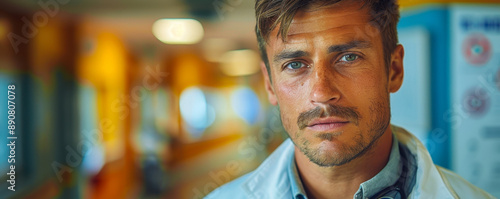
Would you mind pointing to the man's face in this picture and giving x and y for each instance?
(331, 83)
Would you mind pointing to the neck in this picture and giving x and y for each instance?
(318, 181)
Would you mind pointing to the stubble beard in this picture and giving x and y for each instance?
(345, 153)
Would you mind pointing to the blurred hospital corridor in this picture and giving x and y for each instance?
(166, 99)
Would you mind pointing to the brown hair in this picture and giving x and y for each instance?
(271, 13)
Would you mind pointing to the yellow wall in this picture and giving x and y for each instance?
(409, 3)
(103, 65)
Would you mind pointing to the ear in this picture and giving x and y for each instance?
(269, 87)
(396, 70)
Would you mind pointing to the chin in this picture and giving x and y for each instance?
(332, 152)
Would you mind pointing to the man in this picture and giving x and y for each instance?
(330, 67)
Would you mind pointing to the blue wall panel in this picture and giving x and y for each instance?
(436, 21)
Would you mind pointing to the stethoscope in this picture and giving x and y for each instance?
(395, 191)
(391, 192)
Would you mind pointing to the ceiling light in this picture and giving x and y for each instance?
(178, 31)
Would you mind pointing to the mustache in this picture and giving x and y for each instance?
(348, 113)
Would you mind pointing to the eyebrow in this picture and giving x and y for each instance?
(335, 48)
(289, 54)
(348, 46)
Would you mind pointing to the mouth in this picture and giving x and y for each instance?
(327, 124)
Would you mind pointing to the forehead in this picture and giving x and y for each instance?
(346, 20)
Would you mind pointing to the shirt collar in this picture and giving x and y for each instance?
(295, 182)
(386, 177)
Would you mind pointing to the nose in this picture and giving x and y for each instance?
(324, 87)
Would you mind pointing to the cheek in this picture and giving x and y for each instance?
(288, 123)
(290, 98)
(364, 91)
(369, 85)
(291, 95)
(286, 93)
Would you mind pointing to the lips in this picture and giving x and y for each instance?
(327, 124)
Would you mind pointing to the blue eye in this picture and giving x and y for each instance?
(294, 65)
(349, 58)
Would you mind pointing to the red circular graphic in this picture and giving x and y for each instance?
(476, 102)
(477, 49)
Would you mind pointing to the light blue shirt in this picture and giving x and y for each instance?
(386, 177)
(277, 177)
